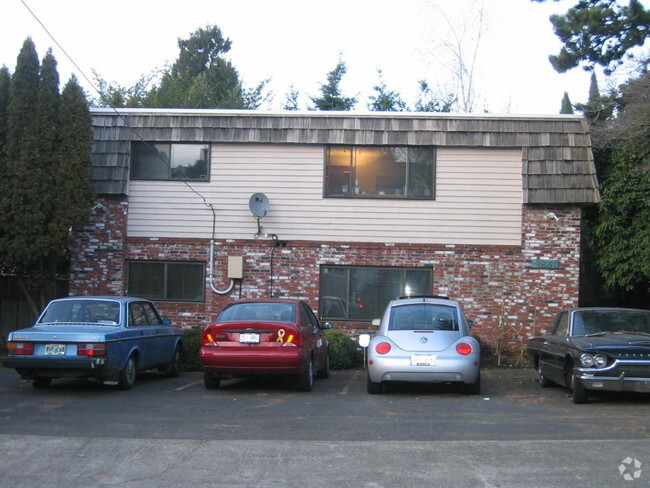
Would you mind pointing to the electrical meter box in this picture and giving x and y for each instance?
(235, 267)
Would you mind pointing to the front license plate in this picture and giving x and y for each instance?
(248, 338)
(54, 349)
(423, 360)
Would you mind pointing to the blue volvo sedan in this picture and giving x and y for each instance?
(105, 338)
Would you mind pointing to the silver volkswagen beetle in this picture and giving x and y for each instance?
(424, 339)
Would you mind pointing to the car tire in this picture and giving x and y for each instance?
(579, 393)
(173, 369)
(473, 388)
(127, 375)
(544, 382)
(306, 377)
(211, 381)
(374, 387)
(42, 382)
(324, 372)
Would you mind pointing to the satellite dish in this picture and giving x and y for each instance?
(259, 205)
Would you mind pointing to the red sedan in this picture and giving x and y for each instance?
(262, 337)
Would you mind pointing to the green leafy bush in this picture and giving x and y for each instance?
(192, 347)
(344, 353)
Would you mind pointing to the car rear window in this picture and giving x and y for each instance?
(83, 312)
(423, 316)
(265, 311)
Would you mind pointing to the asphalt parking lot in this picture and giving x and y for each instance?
(510, 431)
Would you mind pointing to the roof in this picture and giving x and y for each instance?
(557, 161)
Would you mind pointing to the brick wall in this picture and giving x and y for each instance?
(508, 300)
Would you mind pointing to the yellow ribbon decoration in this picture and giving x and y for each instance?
(280, 336)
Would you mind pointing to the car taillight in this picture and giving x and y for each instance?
(382, 348)
(463, 348)
(21, 348)
(92, 349)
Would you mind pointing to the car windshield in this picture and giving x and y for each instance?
(423, 316)
(588, 322)
(263, 311)
(101, 312)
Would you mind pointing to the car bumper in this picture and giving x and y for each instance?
(29, 367)
(445, 370)
(286, 360)
(615, 383)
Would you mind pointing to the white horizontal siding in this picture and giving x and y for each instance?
(478, 200)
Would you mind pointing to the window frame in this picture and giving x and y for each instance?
(169, 163)
(165, 280)
(348, 300)
(376, 194)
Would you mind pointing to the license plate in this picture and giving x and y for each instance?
(423, 360)
(54, 349)
(249, 338)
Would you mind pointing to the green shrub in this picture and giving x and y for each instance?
(192, 347)
(344, 353)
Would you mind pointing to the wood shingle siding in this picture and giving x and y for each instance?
(557, 163)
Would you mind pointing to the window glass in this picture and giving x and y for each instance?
(423, 316)
(362, 293)
(259, 311)
(562, 324)
(170, 161)
(166, 281)
(308, 319)
(137, 317)
(150, 314)
(380, 172)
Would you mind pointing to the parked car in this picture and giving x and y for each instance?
(105, 338)
(595, 349)
(424, 339)
(265, 337)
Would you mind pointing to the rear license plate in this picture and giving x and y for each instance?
(54, 349)
(423, 360)
(248, 338)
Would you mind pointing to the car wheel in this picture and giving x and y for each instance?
(211, 381)
(474, 388)
(543, 380)
(127, 375)
(373, 387)
(306, 378)
(42, 382)
(324, 372)
(579, 393)
(174, 367)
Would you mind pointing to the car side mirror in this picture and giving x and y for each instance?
(325, 326)
(470, 323)
(376, 322)
(167, 321)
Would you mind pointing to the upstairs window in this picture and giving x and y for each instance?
(380, 172)
(170, 161)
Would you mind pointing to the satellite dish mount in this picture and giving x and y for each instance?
(259, 206)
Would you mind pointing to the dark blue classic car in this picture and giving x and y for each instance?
(595, 349)
(105, 338)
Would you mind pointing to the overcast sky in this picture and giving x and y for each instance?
(297, 42)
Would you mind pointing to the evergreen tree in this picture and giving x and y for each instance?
(5, 80)
(46, 186)
(599, 32)
(71, 172)
(201, 77)
(567, 106)
(291, 99)
(385, 100)
(331, 97)
(430, 101)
